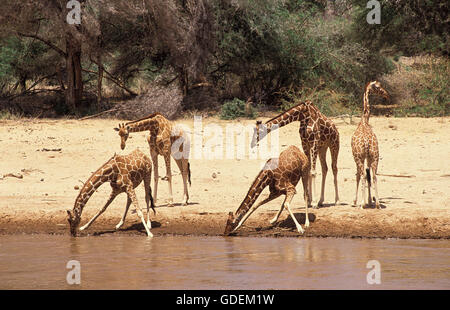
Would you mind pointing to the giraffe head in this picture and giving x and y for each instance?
(123, 133)
(230, 224)
(258, 133)
(74, 221)
(374, 87)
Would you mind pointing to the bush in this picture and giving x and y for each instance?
(237, 108)
(419, 86)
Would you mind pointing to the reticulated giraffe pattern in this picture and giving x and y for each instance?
(124, 173)
(166, 139)
(282, 175)
(365, 147)
(317, 133)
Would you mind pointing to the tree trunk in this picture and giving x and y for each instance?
(74, 88)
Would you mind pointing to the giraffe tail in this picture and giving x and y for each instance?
(152, 203)
(189, 173)
(369, 183)
(368, 176)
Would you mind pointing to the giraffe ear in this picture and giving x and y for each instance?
(258, 122)
(116, 129)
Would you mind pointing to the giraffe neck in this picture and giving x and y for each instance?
(366, 107)
(143, 125)
(296, 113)
(102, 175)
(261, 181)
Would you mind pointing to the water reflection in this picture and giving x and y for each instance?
(134, 262)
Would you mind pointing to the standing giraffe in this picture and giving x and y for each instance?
(281, 175)
(365, 146)
(317, 133)
(124, 173)
(165, 139)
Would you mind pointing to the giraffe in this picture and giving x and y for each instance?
(365, 146)
(124, 173)
(317, 133)
(281, 175)
(165, 139)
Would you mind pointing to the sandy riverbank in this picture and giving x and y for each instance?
(414, 179)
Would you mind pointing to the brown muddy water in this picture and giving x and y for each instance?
(175, 262)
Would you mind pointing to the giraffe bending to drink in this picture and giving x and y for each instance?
(365, 146)
(124, 173)
(166, 139)
(317, 133)
(281, 175)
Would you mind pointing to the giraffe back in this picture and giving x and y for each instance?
(292, 165)
(133, 167)
(317, 128)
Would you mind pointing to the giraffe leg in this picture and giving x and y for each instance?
(154, 156)
(148, 198)
(132, 196)
(363, 188)
(124, 214)
(323, 164)
(169, 177)
(275, 218)
(307, 150)
(286, 203)
(253, 208)
(306, 197)
(313, 176)
(334, 157)
(359, 174)
(374, 167)
(183, 166)
(110, 199)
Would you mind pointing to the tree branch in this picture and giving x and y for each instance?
(48, 43)
(112, 79)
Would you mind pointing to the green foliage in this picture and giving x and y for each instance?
(431, 92)
(237, 108)
(411, 27)
(8, 115)
(262, 44)
(22, 60)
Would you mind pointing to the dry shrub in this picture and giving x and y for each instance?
(163, 99)
(412, 75)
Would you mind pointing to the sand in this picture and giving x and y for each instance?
(54, 157)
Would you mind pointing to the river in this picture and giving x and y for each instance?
(185, 262)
